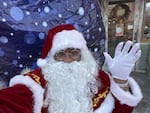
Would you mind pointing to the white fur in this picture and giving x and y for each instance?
(65, 39)
(131, 99)
(36, 89)
(70, 84)
(107, 106)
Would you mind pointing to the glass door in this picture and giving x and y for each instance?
(120, 22)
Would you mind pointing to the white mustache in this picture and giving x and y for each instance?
(68, 85)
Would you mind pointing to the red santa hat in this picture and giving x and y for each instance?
(62, 37)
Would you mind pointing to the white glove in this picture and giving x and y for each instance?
(124, 60)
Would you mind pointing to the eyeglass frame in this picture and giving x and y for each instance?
(68, 52)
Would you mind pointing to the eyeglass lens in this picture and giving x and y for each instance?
(73, 53)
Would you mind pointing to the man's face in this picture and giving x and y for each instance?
(68, 55)
(71, 81)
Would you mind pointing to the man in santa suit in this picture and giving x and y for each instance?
(68, 79)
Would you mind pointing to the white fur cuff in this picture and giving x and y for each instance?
(126, 97)
(36, 89)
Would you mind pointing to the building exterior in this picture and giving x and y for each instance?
(128, 20)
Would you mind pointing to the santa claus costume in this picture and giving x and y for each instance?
(76, 87)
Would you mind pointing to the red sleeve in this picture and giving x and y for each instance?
(122, 108)
(16, 99)
(104, 90)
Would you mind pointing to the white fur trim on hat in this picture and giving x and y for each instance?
(36, 89)
(125, 97)
(68, 39)
(107, 106)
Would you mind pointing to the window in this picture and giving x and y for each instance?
(146, 24)
(120, 23)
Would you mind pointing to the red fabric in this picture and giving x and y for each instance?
(17, 99)
(37, 72)
(48, 43)
(119, 108)
(103, 78)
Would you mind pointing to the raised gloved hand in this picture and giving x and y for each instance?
(124, 60)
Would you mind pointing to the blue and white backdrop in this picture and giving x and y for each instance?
(24, 25)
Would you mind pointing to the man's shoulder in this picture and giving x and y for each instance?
(104, 89)
(104, 77)
(37, 76)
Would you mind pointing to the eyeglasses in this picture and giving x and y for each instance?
(74, 54)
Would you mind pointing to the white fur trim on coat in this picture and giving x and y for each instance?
(125, 97)
(107, 106)
(36, 89)
(68, 39)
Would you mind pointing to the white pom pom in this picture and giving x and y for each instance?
(41, 62)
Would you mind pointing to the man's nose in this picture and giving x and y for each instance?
(68, 59)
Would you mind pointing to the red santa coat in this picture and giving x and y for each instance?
(26, 92)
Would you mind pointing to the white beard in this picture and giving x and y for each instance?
(71, 86)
